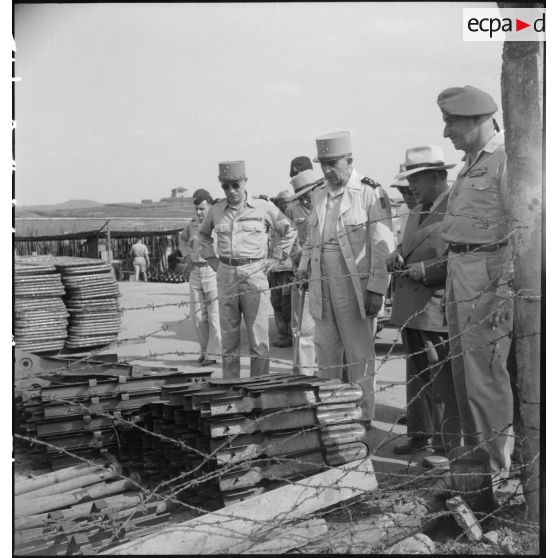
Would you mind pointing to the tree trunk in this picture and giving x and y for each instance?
(522, 98)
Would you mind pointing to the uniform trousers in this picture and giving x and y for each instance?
(431, 402)
(204, 307)
(243, 291)
(479, 355)
(280, 283)
(304, 325)
(342, 336)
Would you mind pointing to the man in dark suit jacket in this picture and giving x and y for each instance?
(419, 265)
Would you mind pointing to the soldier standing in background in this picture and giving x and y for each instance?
(298, 211)
(140, 258)
(204, 305)
(480, 267)
(241, 225)
(349, 240)
(280, 282)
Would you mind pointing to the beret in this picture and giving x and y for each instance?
(201, 195)
(466, 101)
(299, 164)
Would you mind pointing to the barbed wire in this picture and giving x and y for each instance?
(172, 488)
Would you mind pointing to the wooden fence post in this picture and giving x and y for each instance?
(523, 110)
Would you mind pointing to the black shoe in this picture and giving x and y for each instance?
(413, 445)
(208, 362)
(201, 358)
(286, 342)
(401, 420)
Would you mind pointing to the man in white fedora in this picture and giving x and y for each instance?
(480, 270)
(298, 211)
(419, 267)
(349, 240)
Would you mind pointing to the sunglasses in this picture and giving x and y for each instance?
(233, 185)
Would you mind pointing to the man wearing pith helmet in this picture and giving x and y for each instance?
(349, 239)
(479, 297)
(304, 181)
(242, 224)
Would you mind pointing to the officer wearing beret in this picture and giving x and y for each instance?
(204, 306)
(349, 239)
(478, 295)
(241, 224)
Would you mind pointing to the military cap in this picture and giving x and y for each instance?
(232, 170)
(201, 195)
(466, 101)
(299, 164)
(333, 146)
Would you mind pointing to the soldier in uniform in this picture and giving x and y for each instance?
(479, 305)
(241, 224)
(280, 282)
(419, 266)
(349, 239)
(298, 211)
(140, 258)
(204, 305)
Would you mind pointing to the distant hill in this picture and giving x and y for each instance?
(70, 204)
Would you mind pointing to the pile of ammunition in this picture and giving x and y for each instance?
(227, 440)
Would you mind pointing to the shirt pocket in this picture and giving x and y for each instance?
(481, 183)
(252, 239)
(355, 221)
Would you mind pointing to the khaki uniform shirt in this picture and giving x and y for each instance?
(478, 205)
(478, 201)
(139, 250)
(329, 234)
(242, 232)
(189, 243)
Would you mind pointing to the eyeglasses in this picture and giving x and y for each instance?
(233, 185)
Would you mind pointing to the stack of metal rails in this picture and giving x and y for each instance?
(41, 318)
(83, 509)
(227, 440)
(74, 406)
(92, 301)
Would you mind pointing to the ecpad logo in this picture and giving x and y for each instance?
(506, 24)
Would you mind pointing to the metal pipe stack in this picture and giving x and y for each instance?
(82, 509)
(231, 439)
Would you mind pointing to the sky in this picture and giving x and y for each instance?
(123, 102)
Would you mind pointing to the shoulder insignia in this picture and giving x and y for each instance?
(370, 182)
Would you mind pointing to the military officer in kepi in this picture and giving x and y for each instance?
(242, 224)
(479, 301)
(349, 239)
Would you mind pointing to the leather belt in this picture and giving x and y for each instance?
(200, 264)
(239, 261)
(491, 247)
